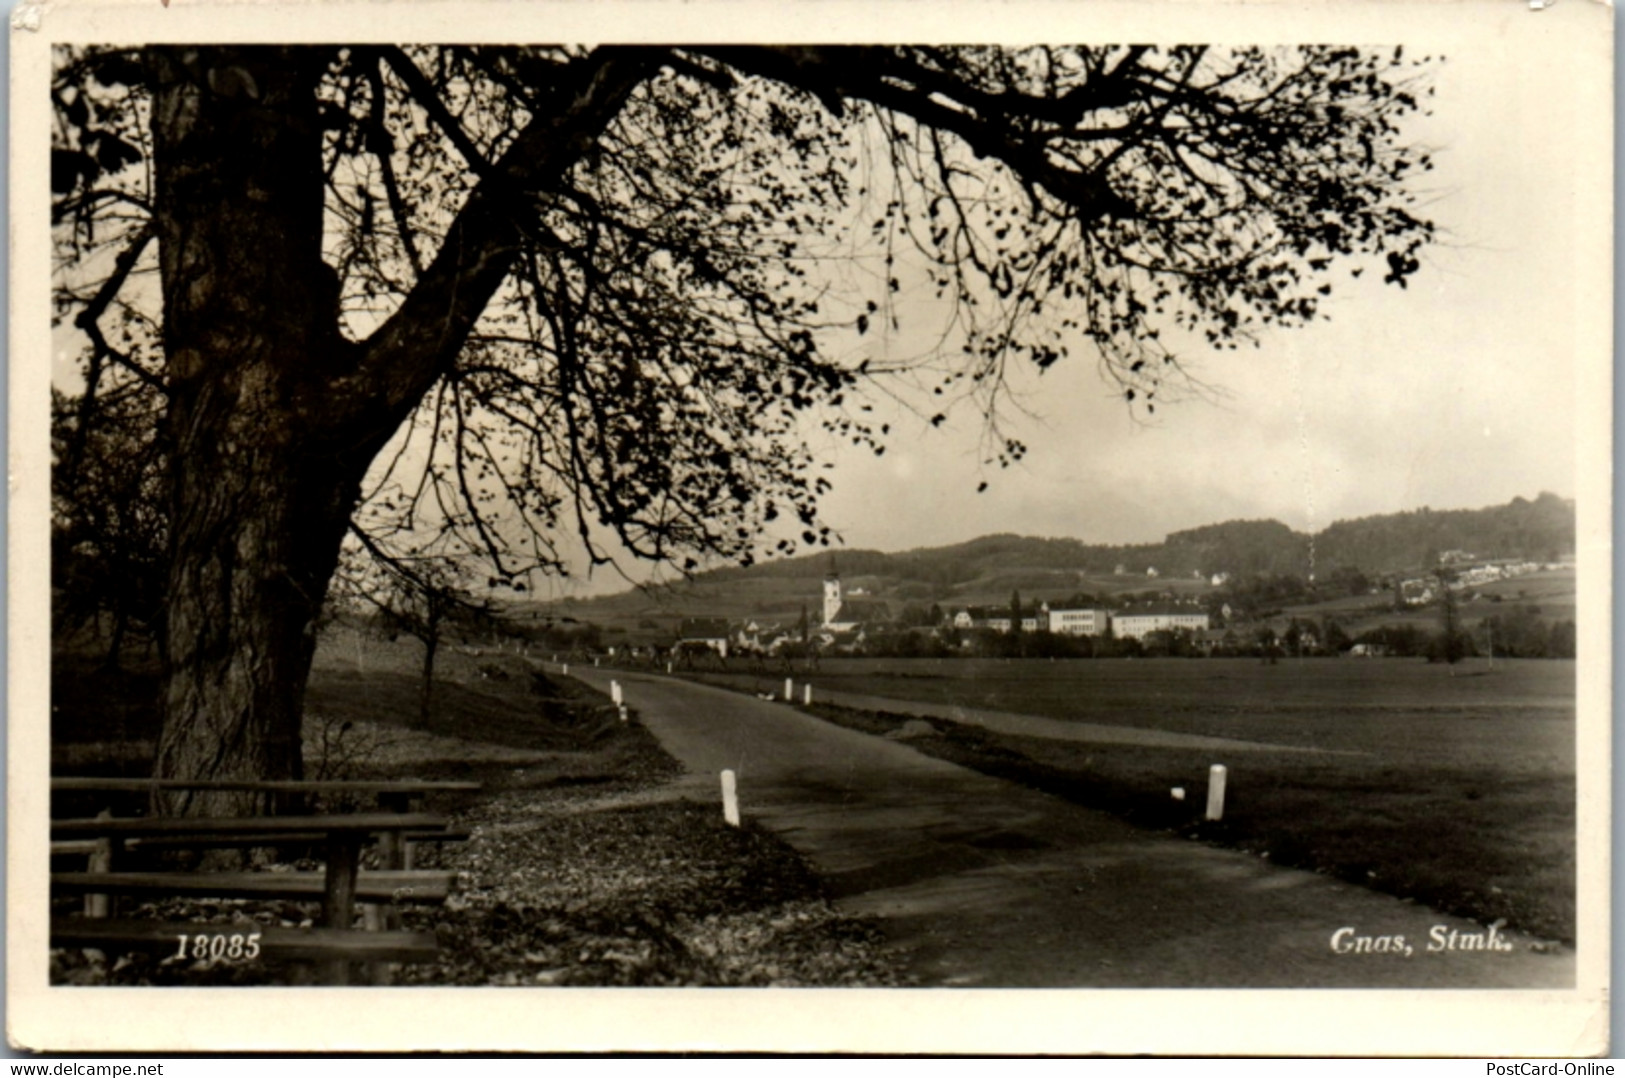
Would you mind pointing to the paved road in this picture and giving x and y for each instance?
(981, 882)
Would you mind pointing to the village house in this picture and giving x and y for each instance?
(755, 635)
(993, 618)
(1001, 622)
(1478, 574)
(711, 632)
(1417, 592)
(1141, 622)
(1077, 621)
(844, 615)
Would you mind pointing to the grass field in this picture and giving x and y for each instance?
(1456, 788)
(1391, 707)
(1553, 593)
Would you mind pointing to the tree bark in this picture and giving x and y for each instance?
(259, 507)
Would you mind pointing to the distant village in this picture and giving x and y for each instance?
(1189, 613)
(855, 622)
(848, 620)
(1463, 572)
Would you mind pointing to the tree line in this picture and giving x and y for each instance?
(1523, 635)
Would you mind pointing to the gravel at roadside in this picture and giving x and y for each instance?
(583, 886)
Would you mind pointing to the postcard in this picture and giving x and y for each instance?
(929, 528)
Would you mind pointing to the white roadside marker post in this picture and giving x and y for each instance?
(566, 669)
(789, 690)
(615, 692)
(668, 668)
(806, 695)
(1215, 792)
(730, 799)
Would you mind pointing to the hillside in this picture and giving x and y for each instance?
(988, 569)
(1540, 530)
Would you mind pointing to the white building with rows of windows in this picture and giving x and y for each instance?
(1077, 622)
(1139, 624)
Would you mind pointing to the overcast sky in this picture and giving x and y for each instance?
(1455, 392)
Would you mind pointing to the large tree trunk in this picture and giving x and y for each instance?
(260, 497)
(273, 417)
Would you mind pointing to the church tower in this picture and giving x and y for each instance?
(832, 597)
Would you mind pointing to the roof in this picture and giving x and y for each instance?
(985, 612)
(863, 610)
(703, 629)
(642, 638)
(1161, 610)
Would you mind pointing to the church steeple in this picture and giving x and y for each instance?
(832, 593)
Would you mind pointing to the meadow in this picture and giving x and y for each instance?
(1450, 786)
(1399, 707)
(1553, 594)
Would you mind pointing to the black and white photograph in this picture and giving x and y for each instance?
(1030, 528)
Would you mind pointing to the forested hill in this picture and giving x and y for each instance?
(1540, 530)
